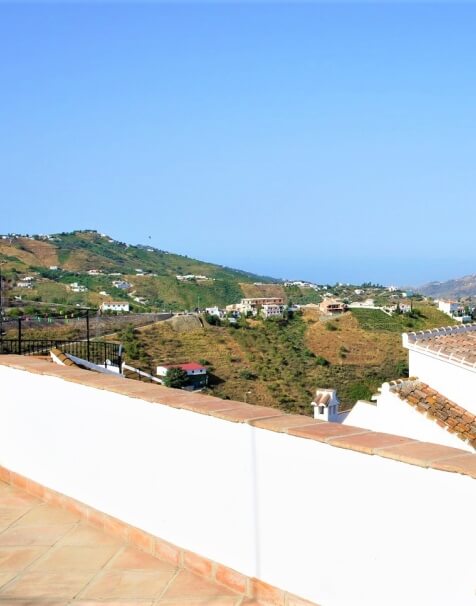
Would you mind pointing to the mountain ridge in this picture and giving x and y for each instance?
(454, 288)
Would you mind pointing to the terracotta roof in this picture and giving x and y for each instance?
(438, 408)
(188, 366)
(321, 398)
(457, 343)
(64, 358)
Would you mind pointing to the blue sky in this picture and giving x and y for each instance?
(332, 142)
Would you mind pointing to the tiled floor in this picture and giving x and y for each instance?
(49, 557)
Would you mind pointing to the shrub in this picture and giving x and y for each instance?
(320, 361)
(248, 375)
(175, 377)
(359, 391)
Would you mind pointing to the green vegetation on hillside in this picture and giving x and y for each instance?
(422, 317)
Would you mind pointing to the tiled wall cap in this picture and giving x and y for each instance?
(356, 439)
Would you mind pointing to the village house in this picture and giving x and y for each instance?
(449, 307)
(196, 373)
(215, 311)
(116, 306)
(76, 287)
(331, 307)
(272, 311)
(122, 284)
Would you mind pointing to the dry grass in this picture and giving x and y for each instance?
(362, 347)
(263, 290)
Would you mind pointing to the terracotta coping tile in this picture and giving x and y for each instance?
(465, 464)
(209, 406)
(284, 422)
(323, 432)
(368, 442)
(418, 453)
(243, 413)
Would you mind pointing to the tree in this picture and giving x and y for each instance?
(175, 377)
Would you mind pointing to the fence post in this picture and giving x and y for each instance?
(119, 358)
(19, 336)
(105, 354)
(87, 334)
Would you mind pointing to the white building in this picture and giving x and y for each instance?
(122, 284)
(119, 306)
(272, 311)
(196, 373)
(438, 404)
(215, 311)
(75, 287)
(448, 307)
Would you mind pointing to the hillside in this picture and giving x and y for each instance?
(151, 272)
(281, 363)
(453, 289)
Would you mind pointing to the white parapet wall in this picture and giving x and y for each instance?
(336, 526)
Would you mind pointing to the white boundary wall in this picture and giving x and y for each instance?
(332, 525)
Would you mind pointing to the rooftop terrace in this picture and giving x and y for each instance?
(49, 555)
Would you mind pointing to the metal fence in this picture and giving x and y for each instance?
(102, 353)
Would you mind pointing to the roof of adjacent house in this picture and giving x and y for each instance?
(187, 366)
(437, 407)
(457, 343)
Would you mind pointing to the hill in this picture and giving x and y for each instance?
(453, 289)
(152, 273)
(281, 363)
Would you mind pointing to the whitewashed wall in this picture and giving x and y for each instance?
(335, 526)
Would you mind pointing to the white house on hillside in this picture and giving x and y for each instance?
(449, 307)
(438, 404)
(272, 311)
(119, 306)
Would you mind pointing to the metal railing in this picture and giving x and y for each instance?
(103, 353)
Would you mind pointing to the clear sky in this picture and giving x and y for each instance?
(332, 142)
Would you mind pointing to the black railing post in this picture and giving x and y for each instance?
(105, 354)
(87, 334)
(119, 358)
(19, 336)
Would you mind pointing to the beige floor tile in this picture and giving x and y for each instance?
(207, 601)
(87, 535)
(188, 585)
(47, 515)
(112, 603)
(44, 585)
(134, 559)
(5, 577)
(76, 557)
(9, 515)
(18, 558)
(19, 499)
(135, 584)
(33, 535)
